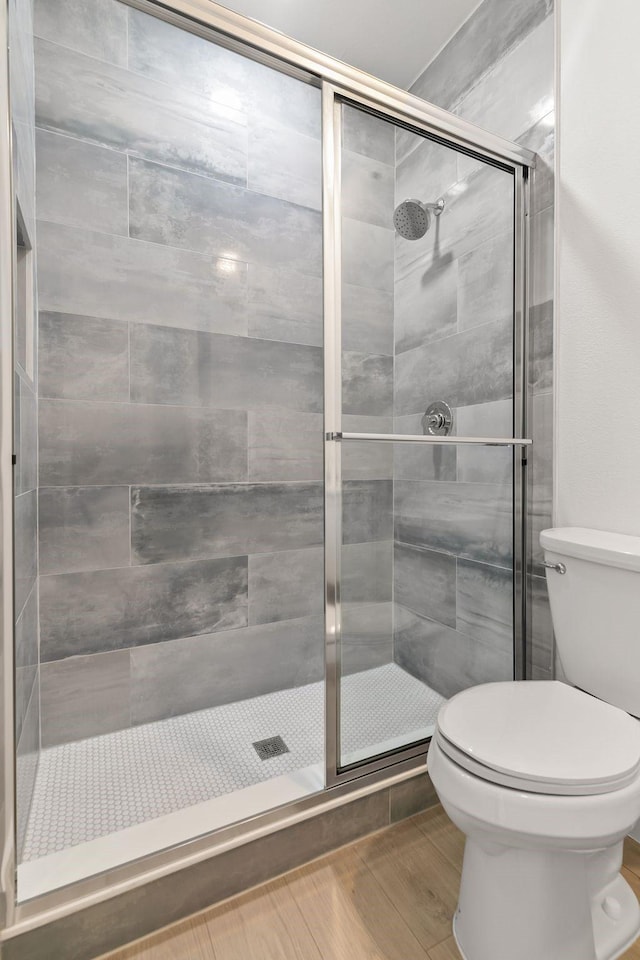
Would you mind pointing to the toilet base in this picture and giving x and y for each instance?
(525, 904)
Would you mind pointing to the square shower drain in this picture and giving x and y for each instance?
(272, 747)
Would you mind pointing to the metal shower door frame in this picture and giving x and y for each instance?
(210, 20)
(421, 121)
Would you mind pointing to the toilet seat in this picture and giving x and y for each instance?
(540, 736)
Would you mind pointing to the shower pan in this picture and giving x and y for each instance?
(246, 573)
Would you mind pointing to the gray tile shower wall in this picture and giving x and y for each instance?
(367, 196)
(27, 681)
(484, 40)
(181, 400)
(453, 302)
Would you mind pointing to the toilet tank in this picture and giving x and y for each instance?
(595, 607)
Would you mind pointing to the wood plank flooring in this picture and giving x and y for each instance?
(390, 896)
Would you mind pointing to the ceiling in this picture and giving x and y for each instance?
(391, 39)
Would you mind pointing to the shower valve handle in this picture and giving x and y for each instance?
(438, 419)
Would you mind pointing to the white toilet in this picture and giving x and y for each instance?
(544, 779)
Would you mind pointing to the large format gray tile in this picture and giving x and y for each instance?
(26, 658)
(492, 29)
(542, 256)
(285, 164)
(88, 273)
(484, 604)
(485, 278)
(446, 660)
(25, 689)
(485, 464)
(367, 384)
(518, 90)
(25, 546)
(366, 460)
(20, 37)
(540, 475)
(286, 585)
(24, 171)
(285, 445)
(541, 348)
(107, 105)
(95, 27)
(541, 139)
(425, 582)
(367, 572)
(475, 366)
(184, 675)
(367, 510)
(180, 59)
(367, 189)
(26, 633)
(426, 304)
(24, 176)
(211, 370)
(426, 171)
(284, 305)
(115, 443)
(471, 520)
(185, 210)
(367, 255)
(181, 523)
(540, 673)
(287, 101)
(83, 358)
(411, 796)
(367, 637)
(164, 52)
(367, 319)
(368, 135)
(540, 629)
(24, 312)
(81, 184)
(83, 528)
(84, 697)
(26, 473)
(478, 207)
(412, 461)
(82, 613)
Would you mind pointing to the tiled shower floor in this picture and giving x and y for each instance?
(97, 786)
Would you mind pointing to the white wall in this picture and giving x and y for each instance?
(597, 441)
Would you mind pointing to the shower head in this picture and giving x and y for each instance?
(412, 218)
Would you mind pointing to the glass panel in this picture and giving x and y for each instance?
(427, 315)
(427, 587)
(428, 318)
(181, 586)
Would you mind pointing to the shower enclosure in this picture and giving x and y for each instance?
(252, 558)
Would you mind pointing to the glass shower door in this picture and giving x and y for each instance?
(169, 519)
(427, 600)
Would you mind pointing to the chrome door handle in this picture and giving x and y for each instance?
(558, 567)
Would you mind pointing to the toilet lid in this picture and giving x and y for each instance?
(544, 736)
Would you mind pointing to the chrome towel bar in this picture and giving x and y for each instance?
(418, 438)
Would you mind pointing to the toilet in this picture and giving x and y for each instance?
(543, 777)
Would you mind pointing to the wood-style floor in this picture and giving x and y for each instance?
(390, 896)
